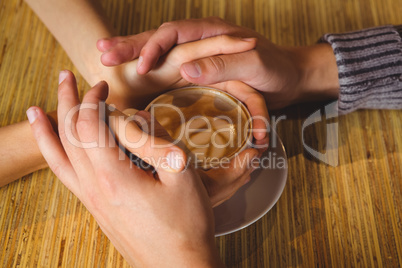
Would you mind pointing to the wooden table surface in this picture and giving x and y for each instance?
(344, 216)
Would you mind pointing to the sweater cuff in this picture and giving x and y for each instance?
(369, 68)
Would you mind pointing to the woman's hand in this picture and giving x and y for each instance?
(286, 75)
(141, 216)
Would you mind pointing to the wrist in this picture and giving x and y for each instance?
(318, 73)
(201, 256)
(197, 254)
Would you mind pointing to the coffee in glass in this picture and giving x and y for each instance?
(210, 125)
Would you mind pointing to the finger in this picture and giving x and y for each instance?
(215, 69)
(176, 158)
(261, 145)
(179, 32)
(151, 126)
(90, 125)
(105, 44)
(222, 44)
(223, 182)
(118, 50)
(96, 155)
(143, 136)
(102, 147)
(67, 113)
(256, 105)
(52, 149)
(99, 145)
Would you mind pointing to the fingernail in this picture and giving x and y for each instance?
(192, 69)
(140, 61)
(175, 160)
(62, 76)
(248, 39)
(32, 114)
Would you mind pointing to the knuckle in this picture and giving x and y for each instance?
(159, 48)
(83, 124)
(178, 55)
(255, 97)
(62, 133)
(57, 170)
(167, 24)
(222, 40)
(218, 65)
(108, 187)
(62, 91)
(92, 199)
(40, 131)
(225, 38)
(215, 19)
(68, 133)
(221, 23)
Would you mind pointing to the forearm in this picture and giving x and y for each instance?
(20, 153)
(77, 25)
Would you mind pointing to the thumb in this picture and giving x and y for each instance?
(146, 139)
(218, 69)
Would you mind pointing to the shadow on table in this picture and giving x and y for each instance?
(310, 129)
(318, 134)
(250, 245)
(290, 124)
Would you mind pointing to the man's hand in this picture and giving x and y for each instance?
(166, 75)
(129, 89)
(286, 75)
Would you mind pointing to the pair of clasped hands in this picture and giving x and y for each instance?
(164, 218)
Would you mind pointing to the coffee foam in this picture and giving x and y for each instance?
(207, 123)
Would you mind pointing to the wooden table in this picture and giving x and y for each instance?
(349, 215)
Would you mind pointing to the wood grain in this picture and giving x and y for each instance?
(344, 216)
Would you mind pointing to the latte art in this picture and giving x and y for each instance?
(207, 123)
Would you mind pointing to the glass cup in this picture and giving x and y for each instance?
(210, 125)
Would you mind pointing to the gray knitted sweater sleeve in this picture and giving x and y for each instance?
(369, 68)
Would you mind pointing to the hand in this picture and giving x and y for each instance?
(286, 75)
(140, 215)
(221, 182)
(166, 76)
(128, 89)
